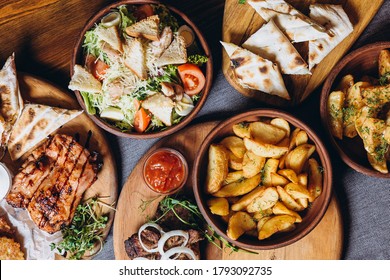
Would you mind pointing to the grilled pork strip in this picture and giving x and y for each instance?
(150, 239)
(52, 181)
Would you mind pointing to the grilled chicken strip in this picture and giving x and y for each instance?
(53, 180)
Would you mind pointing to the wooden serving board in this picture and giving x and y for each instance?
(35, 90)
(324, 242)
(241, 20)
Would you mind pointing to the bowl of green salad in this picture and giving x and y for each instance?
(141, 69)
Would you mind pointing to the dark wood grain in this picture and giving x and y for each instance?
(43, 33)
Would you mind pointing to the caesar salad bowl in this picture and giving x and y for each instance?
(141, 69)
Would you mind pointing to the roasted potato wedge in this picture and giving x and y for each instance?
(378, 163)
(384, 62)
(315, 179)
(264, 150)
(266, 200)
(271, 166)
(302, 180)
(240, 223)
(297, 191)
(266, 133)
(281, 209)
(244, 201)
(352, 105)
(278, 180)
(234, 161)
(301, 138)
(282, 124)
(261, 223)
(233, 177)
(252, 164)
(376, 96)
(242, 130)
(289, 174)
(261, 214)
(335, 113)
(276, 224)
(297, 158)
(218, 167)
(239, 187)
(235, 145)
(218, 206)
(288, 201)
(293, 138)
(346, 82)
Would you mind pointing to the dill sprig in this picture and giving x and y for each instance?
(196, 221)
(85, 231)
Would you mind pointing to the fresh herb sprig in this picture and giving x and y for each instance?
(196, 221)
(85, 231)
(197, 59)
(384, 79)
(241, 1)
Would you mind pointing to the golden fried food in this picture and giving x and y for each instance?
(10, 249)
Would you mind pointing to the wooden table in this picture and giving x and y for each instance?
(42, 34)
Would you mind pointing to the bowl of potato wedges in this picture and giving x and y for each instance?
(355, 109)
(262, 179)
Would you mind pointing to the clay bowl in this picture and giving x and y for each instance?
(78, 58)
(363, 61)
(311, 216)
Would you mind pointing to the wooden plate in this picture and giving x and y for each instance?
(240, 21)
(35, 90)
(132, 211)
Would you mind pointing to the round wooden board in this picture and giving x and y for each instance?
(132, 211)
(36, 90)
(240, 21)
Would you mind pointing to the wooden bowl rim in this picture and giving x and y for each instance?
(209, 71)
(326, 89)
(320, 149)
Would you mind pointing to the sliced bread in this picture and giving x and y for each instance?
(111, 36)
(82, 80)
(160, 106)
(135, 58)
(176, 53)
(147, 28)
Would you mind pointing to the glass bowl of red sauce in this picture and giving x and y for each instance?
(165, 171)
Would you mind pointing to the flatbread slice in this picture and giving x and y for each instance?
(296, 26)
(11, 102)
(269, 42)
(34, 124)
(255, 72)
(334, 18)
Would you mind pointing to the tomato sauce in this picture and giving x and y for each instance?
(165, 171)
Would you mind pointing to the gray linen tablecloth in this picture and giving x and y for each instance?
(365, 201)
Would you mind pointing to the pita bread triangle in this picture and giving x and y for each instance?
(34, 124)
(296, 26)
(269, 42)
(255, 72)
(11, 102)
(334, 18)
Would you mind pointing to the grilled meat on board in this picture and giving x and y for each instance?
(52, 180)
(150, 236)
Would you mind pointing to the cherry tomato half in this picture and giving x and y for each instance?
(192, 78)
